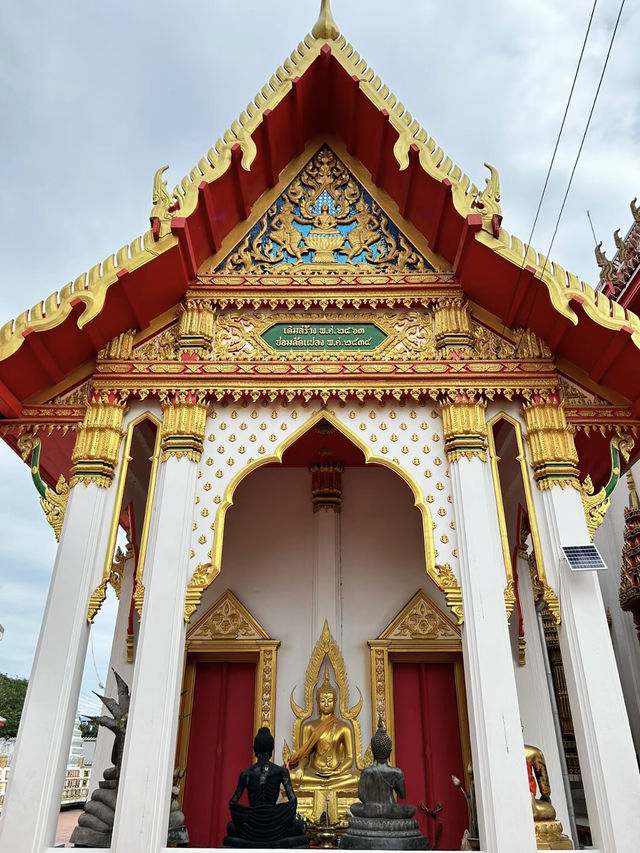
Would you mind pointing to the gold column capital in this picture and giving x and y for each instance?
(196, 328)
(184, 419)
(554, 458)
(95, 455)
(452, 328)
(464, 426)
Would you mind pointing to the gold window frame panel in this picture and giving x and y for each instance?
(421, 632)
(227, 631)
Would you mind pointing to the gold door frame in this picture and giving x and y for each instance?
(420, 632)
(228, 632)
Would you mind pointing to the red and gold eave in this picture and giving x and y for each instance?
(333, 95)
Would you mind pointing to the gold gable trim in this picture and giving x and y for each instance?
(91, 287)
(226, 619)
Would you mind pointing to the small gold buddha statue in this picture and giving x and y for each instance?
(549, 834)
(325, 762)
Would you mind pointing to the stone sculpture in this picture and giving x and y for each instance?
(378, 822)
(264, 822)
(95, 824)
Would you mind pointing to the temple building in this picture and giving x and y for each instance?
(340, 444)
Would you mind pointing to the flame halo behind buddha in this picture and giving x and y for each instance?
(326, 750)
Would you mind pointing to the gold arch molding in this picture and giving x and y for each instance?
(441, 575)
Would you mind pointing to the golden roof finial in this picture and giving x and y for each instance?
(633, 495)
(325, 27)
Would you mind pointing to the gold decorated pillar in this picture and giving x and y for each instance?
(502, 790)
(95, 455)
(146, 779)
(551, 446)
(453, 331)
(196, 328)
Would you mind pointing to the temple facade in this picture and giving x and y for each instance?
(328, 430)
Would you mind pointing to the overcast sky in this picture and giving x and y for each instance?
(94, 97)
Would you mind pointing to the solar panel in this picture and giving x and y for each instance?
(583, 558)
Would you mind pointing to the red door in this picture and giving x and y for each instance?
(428, 748)
(220, 746)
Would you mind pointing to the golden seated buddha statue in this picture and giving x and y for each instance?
(325, 763)
(549, 835)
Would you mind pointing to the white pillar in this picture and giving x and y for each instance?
(605, 748)
(144, 792)
(31, 809)
(327, 593)
(536, 709)
(117, 661)
(502, 789)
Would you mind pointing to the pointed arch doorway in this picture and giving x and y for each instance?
(228, 693)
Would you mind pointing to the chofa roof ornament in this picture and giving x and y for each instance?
(325, 27)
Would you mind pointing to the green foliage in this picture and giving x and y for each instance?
(88, 728)
(12, 693)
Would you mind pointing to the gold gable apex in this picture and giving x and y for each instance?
(227, 619)
(421, 619)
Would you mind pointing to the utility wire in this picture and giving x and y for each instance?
(552, 161)
(575, 165)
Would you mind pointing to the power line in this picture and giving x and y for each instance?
(552, 161)
(575, 165)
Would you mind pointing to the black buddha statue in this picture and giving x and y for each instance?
(378, 822)
(264, 822)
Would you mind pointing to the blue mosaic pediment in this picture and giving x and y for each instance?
(325, 221)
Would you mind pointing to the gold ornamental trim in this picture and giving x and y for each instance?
(184, 421)
(554, 458)
(454, 332)
(99, 594)
(195, 327)
(420, 630)
(91, 288)
(95, 455)
(53, 503)
(547, 593)
(596, 504)
(464, 428)
(442, 575)
(225, 631)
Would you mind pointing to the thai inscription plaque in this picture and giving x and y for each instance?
(324, 337)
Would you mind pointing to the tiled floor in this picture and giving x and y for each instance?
(66, 824)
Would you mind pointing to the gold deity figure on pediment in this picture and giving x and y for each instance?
(325, 762)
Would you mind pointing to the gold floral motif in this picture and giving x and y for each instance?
(227, 620)
(184, 419)
(421, 619)
(409, 336)
(490, 346)
(161, 347)
(453, 331)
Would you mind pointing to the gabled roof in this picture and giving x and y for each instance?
(323, 88)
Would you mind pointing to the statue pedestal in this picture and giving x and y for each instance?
(549, 836)
(335, 803)
(382, 833)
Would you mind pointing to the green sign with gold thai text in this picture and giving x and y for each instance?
(327, 337)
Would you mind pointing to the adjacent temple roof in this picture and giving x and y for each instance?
(324, 89)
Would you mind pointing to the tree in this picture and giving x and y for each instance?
(12, 693)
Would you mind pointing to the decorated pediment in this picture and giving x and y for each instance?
(326, 220)
(421, 619)
(227, 619)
